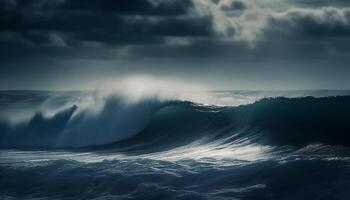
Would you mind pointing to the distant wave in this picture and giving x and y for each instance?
(154, 125)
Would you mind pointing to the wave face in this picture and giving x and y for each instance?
(80, 145)
(279, 121)
(163, 124)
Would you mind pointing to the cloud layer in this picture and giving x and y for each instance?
(124, 26)
(248, 31)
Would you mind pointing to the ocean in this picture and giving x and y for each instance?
(204, 145)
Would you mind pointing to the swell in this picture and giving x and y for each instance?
(156, 125)
(294, 122)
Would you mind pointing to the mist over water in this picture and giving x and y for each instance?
(174, 140)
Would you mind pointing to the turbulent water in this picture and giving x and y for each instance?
(228, 145)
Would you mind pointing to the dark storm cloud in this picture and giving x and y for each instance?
(71, 15)
(318, 3)
(67, 24)
(139, 7)
(234, 5)
(311, 34)
(47, 28)
(143, 31)
(304, 23)
(296, 34)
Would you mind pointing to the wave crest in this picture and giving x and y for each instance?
(156, 125)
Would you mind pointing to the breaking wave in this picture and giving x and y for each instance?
(79, 145)
(152, 124)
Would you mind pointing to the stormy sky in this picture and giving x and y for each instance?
(225, 44)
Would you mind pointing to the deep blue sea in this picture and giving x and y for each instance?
(205, 145)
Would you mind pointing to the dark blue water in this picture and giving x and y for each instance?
(74, 145)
